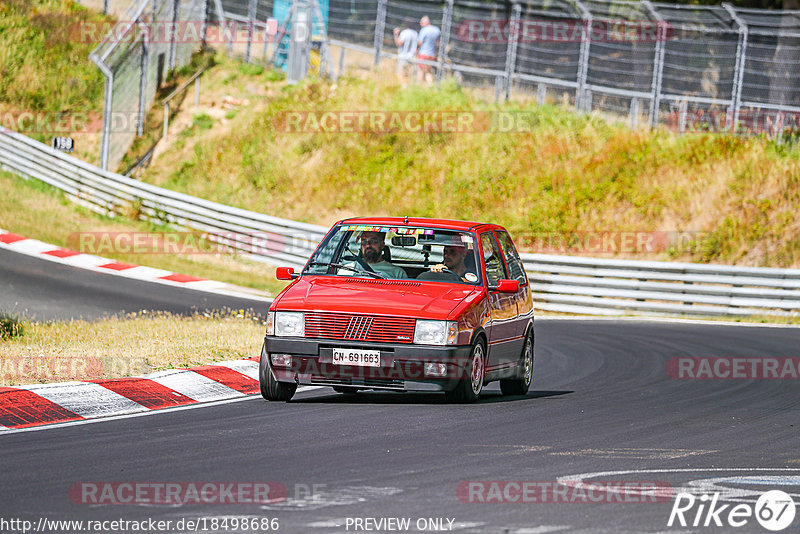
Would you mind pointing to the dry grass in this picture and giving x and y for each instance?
(126, 346)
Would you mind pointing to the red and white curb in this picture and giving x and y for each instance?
(23, 407)
(39, 249)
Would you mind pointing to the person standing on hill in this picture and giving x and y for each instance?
(406, 42)
(428, 37)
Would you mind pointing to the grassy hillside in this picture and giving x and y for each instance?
(569, 174)
(44, 66)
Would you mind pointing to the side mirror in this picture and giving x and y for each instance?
(286, 273)
(506, 286)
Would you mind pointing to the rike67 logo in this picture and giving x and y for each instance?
(774, 510)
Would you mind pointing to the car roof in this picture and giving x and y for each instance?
(416, 221)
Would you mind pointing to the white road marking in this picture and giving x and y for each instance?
(141, 272)
(727, 494)
(539, 530)
(145, 413)
(246, 367)
(635, 454)
(193, 385)
(87, 261)
(714, 485)
(31, 246)
(334, 497)
(86, 398)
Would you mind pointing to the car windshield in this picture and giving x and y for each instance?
(398, 252)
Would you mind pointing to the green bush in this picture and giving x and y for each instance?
(11, 326)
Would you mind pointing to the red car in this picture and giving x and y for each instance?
(403, 304)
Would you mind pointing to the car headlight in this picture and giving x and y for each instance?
(436, 332)
(290, 324)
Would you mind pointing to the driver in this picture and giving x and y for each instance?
(372, 244)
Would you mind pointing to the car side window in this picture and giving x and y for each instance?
(495, 270)
(515, 266)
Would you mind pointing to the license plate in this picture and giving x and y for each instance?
(362, 358)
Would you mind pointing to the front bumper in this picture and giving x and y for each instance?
(402, 365)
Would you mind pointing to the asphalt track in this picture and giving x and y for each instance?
(601, 401)
(44, 291)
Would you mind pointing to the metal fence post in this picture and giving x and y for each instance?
(223, 29)
(634, 113)
(583, 58)
(251, 27)
(511, 50)
(204, 26)
(683, 107)
(738, 75)
(143, 84)
(380, 26)
(107, 101)
(105, 7)
(173, 45)
(447, 21)
(658, 63)
(541, 94)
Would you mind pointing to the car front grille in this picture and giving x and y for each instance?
(350, 327)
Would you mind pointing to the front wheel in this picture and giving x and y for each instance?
(271, 389)
(520, 384)
(470, 386)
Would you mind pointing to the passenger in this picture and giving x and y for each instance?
(372, 244)
(454, 260)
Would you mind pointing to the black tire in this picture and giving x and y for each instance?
(346, 390)
(271, 389)
(471, 384)
(520, 384)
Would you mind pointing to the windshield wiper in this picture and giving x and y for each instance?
(348, 267)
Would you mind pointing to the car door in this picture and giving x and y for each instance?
(523, 298)
(503, 308)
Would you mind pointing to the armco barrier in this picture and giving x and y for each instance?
(616, 287)
(560, 283)
(280, 240)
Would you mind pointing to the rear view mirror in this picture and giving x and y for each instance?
(404, 241)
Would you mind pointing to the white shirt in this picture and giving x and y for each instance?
(408, 44)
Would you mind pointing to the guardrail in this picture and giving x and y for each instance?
(617, 287)
(260, 236)
(560, 283)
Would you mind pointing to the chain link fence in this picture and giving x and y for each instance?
(151, 39)
(687, 67)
